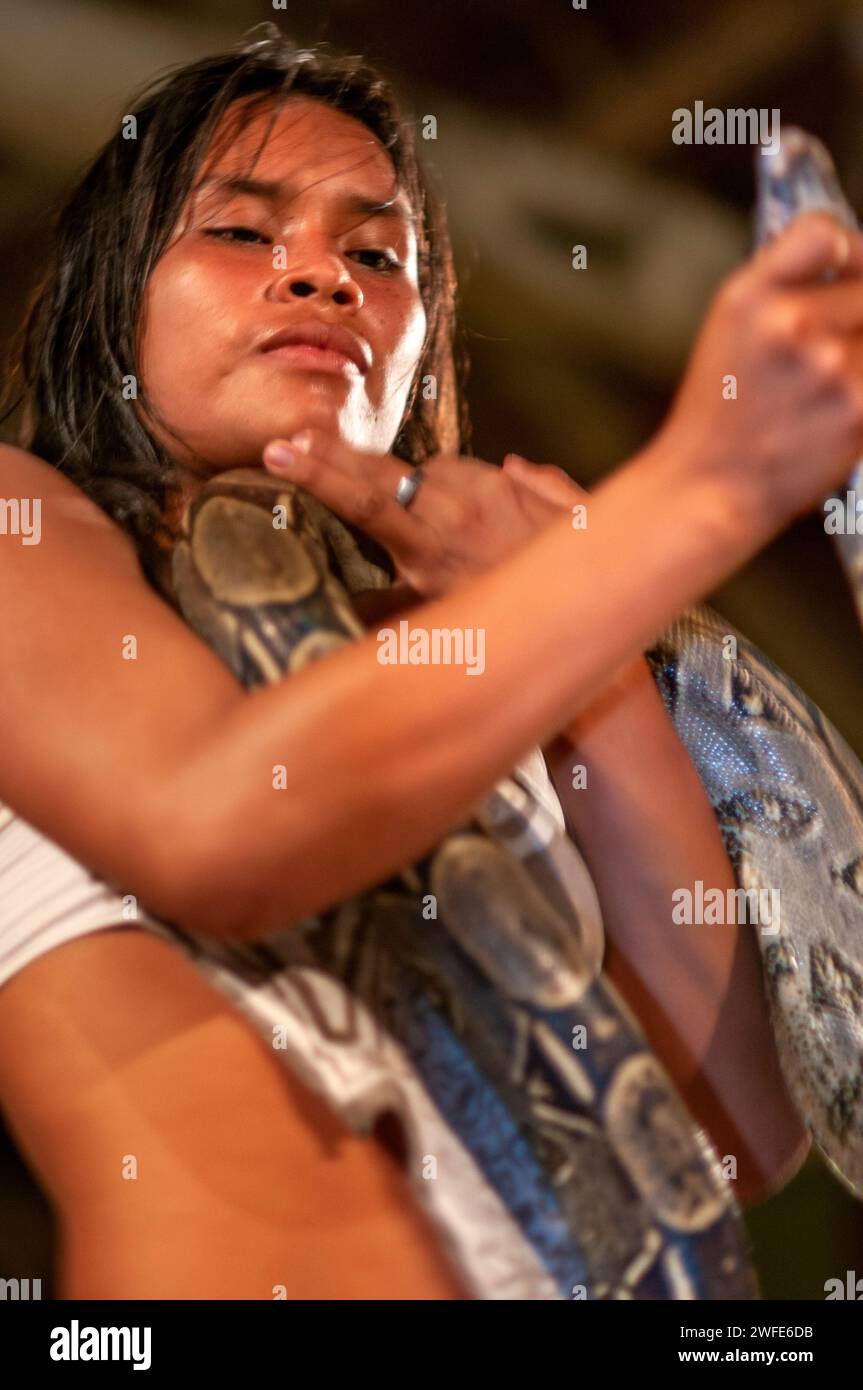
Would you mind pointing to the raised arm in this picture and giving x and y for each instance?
(158, 772)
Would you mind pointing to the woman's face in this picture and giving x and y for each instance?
(276, 247)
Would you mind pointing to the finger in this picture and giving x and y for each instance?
(317, 448)
(838, 305)
(545, 479)
(358, 486)
(436, 502)
(815, 243)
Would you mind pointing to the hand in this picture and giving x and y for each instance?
(467, 516)
(794, 344)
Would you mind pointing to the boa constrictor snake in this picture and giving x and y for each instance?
(543, 1136)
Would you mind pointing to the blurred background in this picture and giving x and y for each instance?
(553, 129)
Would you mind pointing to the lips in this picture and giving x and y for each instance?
(325, 336)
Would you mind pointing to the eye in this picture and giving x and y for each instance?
(246, 235)
(390, 262)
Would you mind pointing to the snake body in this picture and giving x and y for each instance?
(466, 993)
(604, 1174)
(799, 177)
(788, 794)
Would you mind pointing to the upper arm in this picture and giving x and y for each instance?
(102, 685)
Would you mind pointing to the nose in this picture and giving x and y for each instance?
(317, 273)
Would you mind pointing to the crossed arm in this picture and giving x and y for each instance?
(157, 773)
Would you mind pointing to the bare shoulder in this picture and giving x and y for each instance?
(103, 687)
(36, 499)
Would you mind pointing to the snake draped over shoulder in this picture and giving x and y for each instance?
(466, 993)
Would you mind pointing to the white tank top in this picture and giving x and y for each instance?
(47, 898)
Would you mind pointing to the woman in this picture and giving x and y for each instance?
(252, 192)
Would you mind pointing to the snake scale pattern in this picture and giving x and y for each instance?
(591, 1152)
(543, 1136)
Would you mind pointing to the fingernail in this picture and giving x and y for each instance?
(302, 441)
(280, 455)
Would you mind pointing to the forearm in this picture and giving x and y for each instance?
(646, 828)
(382, 760)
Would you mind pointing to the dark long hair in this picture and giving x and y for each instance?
(77, 342)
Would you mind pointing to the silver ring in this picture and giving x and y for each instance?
(409, 485)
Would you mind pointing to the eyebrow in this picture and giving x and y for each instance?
(272, 191)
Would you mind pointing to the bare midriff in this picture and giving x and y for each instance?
(182, 1158)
